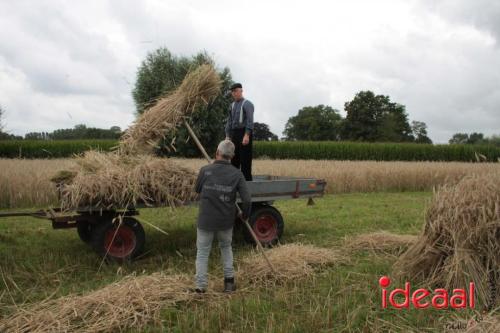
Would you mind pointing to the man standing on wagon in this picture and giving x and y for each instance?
(239, 128)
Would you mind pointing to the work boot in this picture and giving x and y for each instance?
(229, 285)
(198, 290)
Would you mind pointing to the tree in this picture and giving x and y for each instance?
(116, 129)
(261, 132)
(459, 138)
(419, 130)
(494, 140)
(78, 132)
(476, 138)
(37, 136)
(373, 117)
(314, 123)
(464, 138)
(160, 73)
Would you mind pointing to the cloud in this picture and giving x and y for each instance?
(440, 59)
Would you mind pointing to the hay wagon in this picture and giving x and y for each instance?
(125, 240)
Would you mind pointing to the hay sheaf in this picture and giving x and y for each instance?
(198, 87)
(132, 302)
(109, 180)
(291, 261)
(380, 241)
(130, 175)
(460, 241)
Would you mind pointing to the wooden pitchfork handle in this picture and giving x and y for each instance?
(254, 236)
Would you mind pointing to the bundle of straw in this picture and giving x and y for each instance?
(132, 302)
(291, 261)
(128, 176)
(380, 241)
(199, 86)
(109, 180)
(461, 238)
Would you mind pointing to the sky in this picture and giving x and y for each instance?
(64, 63)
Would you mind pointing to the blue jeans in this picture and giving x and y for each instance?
(204, 245)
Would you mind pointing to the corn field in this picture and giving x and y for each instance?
(364, 151)
(303, 150)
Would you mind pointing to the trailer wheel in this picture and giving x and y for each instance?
(267, 224)
(118, 243)
(84, 230)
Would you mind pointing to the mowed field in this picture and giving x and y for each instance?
(38, 263)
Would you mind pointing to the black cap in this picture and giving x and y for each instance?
(235, 85)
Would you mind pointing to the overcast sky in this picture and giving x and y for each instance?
(64, 63)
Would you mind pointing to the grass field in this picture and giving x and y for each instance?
(38, 263)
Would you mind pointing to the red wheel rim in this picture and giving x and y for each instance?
(266, 228)
(123, 243)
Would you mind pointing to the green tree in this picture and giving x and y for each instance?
(419, 130)
(473, 138)
(459, 138)
(494, 140)
(314, 123)
(476, 138)
(261, 132)
(160, 73)
(116, 129)
(37, 136)
(373, 117)
(78, 132)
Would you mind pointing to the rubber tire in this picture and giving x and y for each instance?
(84, 230)
(256, 213)
(100, 230)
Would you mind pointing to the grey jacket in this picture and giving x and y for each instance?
(218, 183)
(240, 116)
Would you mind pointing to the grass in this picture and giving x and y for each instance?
(38, 262)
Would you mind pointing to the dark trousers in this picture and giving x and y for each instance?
(242, 154)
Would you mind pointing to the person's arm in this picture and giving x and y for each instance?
(246, 199)
(249, 108)
(248, 123)
(227, 129)
(199, 181)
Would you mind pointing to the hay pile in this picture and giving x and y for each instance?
(109, 180)
(380, 241)
(291, 261)
(129, 175)
(461, 239)
(200, 86)
(131, 302)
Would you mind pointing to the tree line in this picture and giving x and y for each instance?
(79, 132)
(369, 118)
